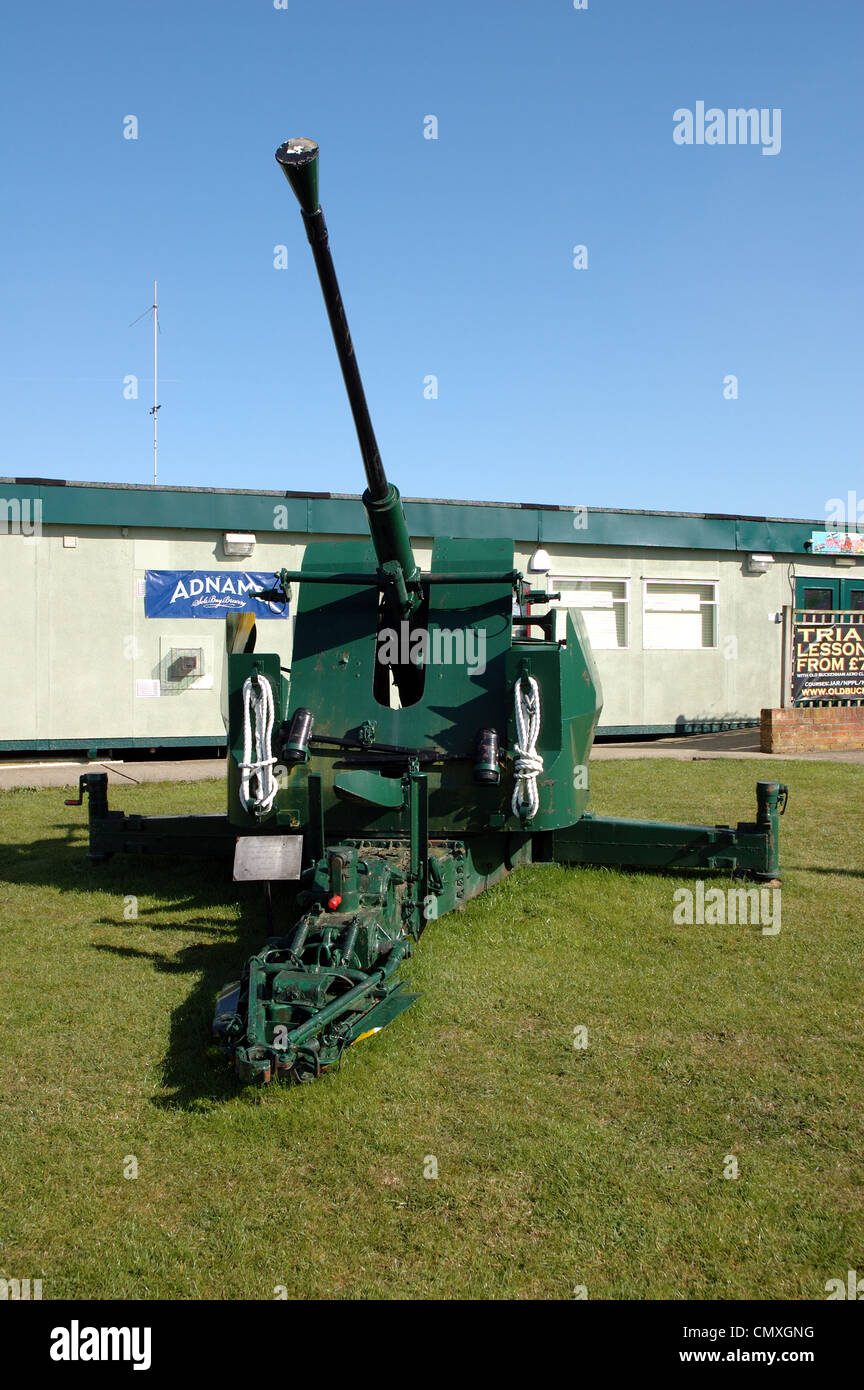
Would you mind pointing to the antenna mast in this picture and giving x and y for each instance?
(154, 310)
(155, 410)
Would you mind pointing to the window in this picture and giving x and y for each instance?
(679, 615)
(819, 598)
(521, 629)
(604, 605)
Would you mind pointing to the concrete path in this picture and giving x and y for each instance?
(738, 743)
(64, 772)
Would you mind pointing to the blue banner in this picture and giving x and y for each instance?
(207, 594)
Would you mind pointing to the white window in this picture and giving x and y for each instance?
(604, 605)
(521, 629)
(679, 614)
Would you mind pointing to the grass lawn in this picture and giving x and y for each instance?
(557, 1167)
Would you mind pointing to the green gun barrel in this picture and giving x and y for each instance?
(298, 159)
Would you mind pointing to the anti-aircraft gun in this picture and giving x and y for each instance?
(425, 743)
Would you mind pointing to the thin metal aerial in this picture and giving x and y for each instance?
(154, 310)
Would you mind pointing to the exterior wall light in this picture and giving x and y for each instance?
(238, 545)
(540, 562)
(759, 563)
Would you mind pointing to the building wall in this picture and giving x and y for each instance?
(732, 681)
(80, 642)
(77, 640)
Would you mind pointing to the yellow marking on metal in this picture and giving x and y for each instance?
(365, 1035)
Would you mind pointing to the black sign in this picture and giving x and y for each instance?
(827, 659)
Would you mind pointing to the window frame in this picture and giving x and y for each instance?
(561, 581)
(692, 583)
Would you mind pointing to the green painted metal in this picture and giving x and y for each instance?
(749, 848)
(372, 788)
(401, 788)
(113, 832)
(307, 996)
(144, 507)
(298, 160)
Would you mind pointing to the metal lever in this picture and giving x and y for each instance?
(82, 788)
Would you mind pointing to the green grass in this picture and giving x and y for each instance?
(556, 1167)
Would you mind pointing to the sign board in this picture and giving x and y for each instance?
(208, 594)
(837, 542)
(827, 658)
(267, 857)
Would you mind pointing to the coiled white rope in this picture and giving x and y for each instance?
(258, 716)
(528, 763)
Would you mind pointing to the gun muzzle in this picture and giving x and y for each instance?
(299, 161)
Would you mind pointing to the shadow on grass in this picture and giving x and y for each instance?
(825, 869)
(195, 1073)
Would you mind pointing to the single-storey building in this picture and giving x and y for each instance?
(113, 602)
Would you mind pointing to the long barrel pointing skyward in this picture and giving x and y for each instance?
(299, 162)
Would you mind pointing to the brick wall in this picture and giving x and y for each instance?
(812, 729)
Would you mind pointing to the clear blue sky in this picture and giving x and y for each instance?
(600, 387)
